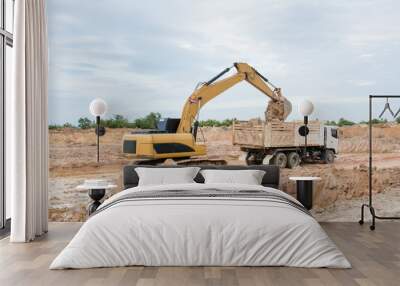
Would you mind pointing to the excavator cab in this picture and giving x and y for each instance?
(165, 125)
(168, 125)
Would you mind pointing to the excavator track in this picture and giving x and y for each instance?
(202, 161)
(193, 161)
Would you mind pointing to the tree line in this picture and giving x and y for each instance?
(344, 122)
(119, 121)
(150, 122)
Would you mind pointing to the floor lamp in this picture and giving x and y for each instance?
(305, 109)
(98, 107)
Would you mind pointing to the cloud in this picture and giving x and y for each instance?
(362, 82)
(148, 56)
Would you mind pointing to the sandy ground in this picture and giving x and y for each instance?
(338, 196)
(385, 204)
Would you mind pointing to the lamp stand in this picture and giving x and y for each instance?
(98, 137)
(305, 135)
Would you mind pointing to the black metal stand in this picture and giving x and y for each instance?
(369, 205)
(100, 131)
(303, 131)
(98, 137)
(305, 134)
(96, 195)
(305, 193)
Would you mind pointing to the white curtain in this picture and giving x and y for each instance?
(27, 150)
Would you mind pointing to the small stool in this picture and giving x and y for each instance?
(304, 186)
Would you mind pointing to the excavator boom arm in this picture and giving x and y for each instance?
(213, 88)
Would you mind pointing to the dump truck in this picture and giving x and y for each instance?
(284, 144)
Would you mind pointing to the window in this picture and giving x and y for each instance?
(6, 43)
(334, 133)
(164, 148)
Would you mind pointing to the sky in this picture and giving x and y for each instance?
(148, 56)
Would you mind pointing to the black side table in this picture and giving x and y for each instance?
(96, 193)
(304, 187)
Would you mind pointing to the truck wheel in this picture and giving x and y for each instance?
(328, 157)
(293, 160)
(254, 158)
(280, 160)
(249, 158)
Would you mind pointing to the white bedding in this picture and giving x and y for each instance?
(200, 231)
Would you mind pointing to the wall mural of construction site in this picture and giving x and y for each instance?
(103, 139)
(336, 152)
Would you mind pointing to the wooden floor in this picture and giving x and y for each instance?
(375, 257)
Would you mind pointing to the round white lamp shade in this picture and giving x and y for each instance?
(98, 107)
(306, 108)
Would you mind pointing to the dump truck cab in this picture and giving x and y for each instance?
(331, 138)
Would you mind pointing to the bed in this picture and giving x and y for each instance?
(198, 224)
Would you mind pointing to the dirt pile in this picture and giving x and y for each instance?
(354, 139)
(341, 184)
(219, 143)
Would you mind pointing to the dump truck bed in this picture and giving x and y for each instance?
(276, 134)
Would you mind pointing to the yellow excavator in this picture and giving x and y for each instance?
(177, 138)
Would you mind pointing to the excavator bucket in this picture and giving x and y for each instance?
(287, 108)
(278, 110)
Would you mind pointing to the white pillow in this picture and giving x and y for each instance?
(166, 176)
(248, 177)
